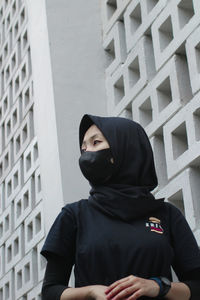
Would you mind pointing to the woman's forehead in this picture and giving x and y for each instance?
(92, 130)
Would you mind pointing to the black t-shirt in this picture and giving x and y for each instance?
(105, 249)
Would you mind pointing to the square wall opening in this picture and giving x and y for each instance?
(179, 140)
(165, 34)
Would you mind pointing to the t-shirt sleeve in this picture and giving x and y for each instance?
(62, 236)
(186, 250)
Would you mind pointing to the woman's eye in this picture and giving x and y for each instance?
(96, 142)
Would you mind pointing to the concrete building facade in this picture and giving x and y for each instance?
(137, 59)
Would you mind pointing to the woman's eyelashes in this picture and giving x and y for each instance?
(95, 142)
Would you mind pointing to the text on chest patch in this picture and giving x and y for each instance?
(155, 225)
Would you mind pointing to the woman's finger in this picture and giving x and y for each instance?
(125, 293)
(136, 295)
(113, 285)
(118, 289)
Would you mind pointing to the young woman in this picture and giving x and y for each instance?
(121, 240)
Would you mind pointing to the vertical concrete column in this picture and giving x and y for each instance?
(78, 65)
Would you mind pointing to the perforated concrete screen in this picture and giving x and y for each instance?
(154, 78)
(21, 205)
(152, 48)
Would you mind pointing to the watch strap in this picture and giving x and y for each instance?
(164, 285)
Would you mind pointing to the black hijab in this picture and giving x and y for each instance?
(127, 194)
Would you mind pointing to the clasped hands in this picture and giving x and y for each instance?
(129, 288)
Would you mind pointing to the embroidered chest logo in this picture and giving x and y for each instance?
(155, 225)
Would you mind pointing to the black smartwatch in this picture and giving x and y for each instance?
(164, 284)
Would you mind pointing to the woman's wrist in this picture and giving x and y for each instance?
(90, 292)
(155, 287)
(164, 285)
(82, 293)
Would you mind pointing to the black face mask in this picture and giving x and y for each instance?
(96, 166)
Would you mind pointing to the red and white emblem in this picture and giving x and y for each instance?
(155, 225)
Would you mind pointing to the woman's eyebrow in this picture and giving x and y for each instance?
(92, 137)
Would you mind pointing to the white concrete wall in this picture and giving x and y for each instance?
(153, 78)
